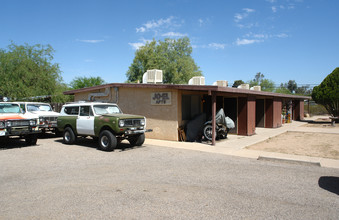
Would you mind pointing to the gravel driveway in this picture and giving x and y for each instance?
(57, 181)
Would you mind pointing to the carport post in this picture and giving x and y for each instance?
(214, 108)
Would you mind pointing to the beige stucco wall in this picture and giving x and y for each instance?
(163, 119)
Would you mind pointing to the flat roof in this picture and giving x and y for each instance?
(202, 88)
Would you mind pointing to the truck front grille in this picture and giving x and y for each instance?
(132, 122)
(18, 123)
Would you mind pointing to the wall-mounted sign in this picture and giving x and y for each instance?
(161, 98)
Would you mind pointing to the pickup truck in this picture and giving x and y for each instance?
(14, 124)
(47, 117)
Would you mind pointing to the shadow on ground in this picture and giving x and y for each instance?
(329, 183)
(93, 143)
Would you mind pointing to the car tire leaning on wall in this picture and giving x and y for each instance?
(107, 141)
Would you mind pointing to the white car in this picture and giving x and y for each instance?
(47, 117)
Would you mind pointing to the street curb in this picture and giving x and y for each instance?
(307, 163)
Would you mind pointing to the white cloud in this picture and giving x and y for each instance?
(217, 46)
(282, 35)
(252, 38)
(201, 22)
(141, 29)
(247, 41)
(137, 45)
(173, 34)
(248, 10)
(274, 9)
(239, 17)
(154, 25)
(91, 41)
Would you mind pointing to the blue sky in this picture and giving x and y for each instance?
(231, 39)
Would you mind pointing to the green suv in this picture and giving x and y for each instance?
(102, 121)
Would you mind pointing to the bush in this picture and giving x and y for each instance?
(327, 93)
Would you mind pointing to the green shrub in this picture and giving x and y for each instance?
(327, 93)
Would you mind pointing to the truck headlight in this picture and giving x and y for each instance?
(32, 122)
(42, 120)
(2, 124)
(142, 122)
(8, 124)
(121, 123)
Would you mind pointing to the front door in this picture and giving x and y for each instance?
(85, 121)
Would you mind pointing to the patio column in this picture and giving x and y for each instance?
(246, 115)
(214, 109)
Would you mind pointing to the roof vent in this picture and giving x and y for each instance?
(152, 76)
(197, 80)
(244, 86)
(256, 88)
(222, 83)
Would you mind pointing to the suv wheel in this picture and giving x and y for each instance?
(31, 139)
(69, 136)
(137, 140)
(107, 141)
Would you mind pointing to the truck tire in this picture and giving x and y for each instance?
(31, 139)
(107, 141)
(69, 136)
(137, 140)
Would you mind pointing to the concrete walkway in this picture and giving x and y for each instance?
(235, 145)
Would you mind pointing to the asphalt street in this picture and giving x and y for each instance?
(57, 181)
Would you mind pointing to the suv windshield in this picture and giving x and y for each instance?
(106, 109)
(9, 108)
(38, 107)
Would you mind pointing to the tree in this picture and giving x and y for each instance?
(266, 84)
(257, 79)
(283, 89)
(304, 90)
(28, 71)
(292, 86)
(83, 82)
(173, 57)
(327, 93)
(237, 83)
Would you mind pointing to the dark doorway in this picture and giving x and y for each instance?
(207, 106)
(191, 106)
(260, 113)
(230, 109)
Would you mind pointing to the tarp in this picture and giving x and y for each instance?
(195, 127)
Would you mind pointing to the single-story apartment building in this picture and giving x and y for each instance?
(168, 107)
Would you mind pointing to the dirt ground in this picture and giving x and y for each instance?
(304, 143)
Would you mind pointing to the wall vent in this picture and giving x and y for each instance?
(197, 80)
(152, 76)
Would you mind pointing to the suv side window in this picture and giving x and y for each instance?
(72, 110)
(86, 111)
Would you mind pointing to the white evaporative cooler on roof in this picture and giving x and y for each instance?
(152, 76)
(221, 83)
(197, 80)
